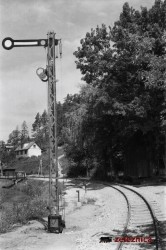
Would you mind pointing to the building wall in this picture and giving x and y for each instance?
(21, 153)
(10, 173)
(34, 150)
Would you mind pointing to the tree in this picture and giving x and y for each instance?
(128, 78)
(2, 149)
(37, 123)
(40, 130)
(37, 130)
(44, 127)
(140, 51)
(24, 133)
(14, 137)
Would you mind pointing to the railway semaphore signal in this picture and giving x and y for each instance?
(55, 220)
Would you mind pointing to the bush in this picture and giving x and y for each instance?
(7, 220)
(76, 170)
(34, 157)
(90, 201)
(30, 209)
(33, 206)
(21, 213)
(33, 189)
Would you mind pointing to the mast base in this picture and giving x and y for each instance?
(55, 224)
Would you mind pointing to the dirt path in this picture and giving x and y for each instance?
(47, 178)
(59, 165)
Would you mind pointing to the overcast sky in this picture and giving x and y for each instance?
(22, 94)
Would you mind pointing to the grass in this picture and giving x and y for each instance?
(22, 203)
(26, 201)
(90, 201)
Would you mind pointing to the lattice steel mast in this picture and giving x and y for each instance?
(52, 113)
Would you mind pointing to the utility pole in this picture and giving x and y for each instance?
(40, 172)
(55, 222)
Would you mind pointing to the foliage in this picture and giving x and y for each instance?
(34, 205)
(40, 129)
(7, 157)
(76, 170)
(125, 68)
(122, 100)
(14, 137)
(24, 133)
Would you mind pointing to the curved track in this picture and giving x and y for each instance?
(140, 218)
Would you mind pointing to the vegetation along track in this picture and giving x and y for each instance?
(141, 220)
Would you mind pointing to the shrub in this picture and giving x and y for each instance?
(30, 209)
(33, 157)
(33, 190)
(90, 200)
(33, 206)
(21, 213)
(76, 170)
(7, 220)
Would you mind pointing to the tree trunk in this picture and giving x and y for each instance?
(164, 157)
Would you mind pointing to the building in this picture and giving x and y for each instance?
(9, 172)
(8, 148)
(20, 174)
(28, 150)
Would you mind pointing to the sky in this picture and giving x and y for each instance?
(22, 93)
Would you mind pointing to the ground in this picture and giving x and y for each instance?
(98, 213)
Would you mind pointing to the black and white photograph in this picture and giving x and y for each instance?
(83, 125)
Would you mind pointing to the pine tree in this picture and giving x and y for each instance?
(24, 132)
(15, 137)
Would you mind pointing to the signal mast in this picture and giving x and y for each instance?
(55, 220)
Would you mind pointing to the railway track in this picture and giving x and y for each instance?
(141, 221)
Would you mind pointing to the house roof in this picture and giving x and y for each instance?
(8, 146)
(25, 146)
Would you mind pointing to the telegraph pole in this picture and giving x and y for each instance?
(55, 222)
